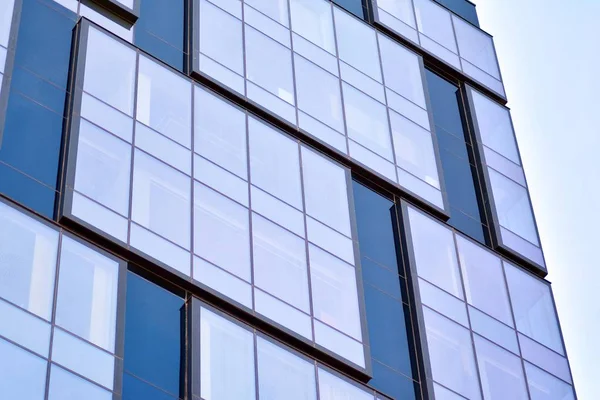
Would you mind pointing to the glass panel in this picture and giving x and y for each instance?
(277, 211)
(501, 372)
(443, 302)
(333, 388)
(476, 47)
(357, 44)
(110, 71)
(161, 199)
(545, 358)
(283, 314)
(164, 101)
(266, 25)
(513, 207)
(401, 9)
(325, 191)
(269, 65)
(221, 231)
(334, 292)
(22, 374)
(159, 248)
(222, 281)
(484, 280)
(220, 180)
(220, 132)
(493, 330)
(439, 267)
(451, 355)
(276, 9)
(27, 261)
(226, 357)
(533, 308)
(104, 19)
(24, 329)
(340, 344)
(283, 375)
(66, 386)
(100, 217)
(163, 148)
(313, 21)
(219, 31)
(102, 170)
(275, 163)
(87, 294)
(367, 122)
(106, 117)
(6, 16)
(435, 22)
(330, 240)
(543, 386)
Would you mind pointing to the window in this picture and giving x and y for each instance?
(544, 386)
(66, 386)
(476, 47)
(22, 374)
(333, 388)
(313, 21)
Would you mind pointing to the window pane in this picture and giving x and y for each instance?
(27, 261)
(313, 21)
(334, 292)
(476, 47)
(275, 163)
(439, 267)
(221, 231)
(226, 359)
(333, 388)
(103, 167)
(543, 386)
(280, 263)
(533, 308)
(325, 191)
(87, 294)
(66, 386)
(269, 65)
(24, 329)
(283, 375)
(276, 9)
(367, 122)
(484, 280)
(357, 44)
(220, 132)
(501, 372)
(164, 101)
(435, 22)
(451, 355)
(110, 71)
(161, 199)
(401, 9)
(513, 207)
(6, 15)
(22, 375)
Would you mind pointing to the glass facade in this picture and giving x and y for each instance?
(273, 199)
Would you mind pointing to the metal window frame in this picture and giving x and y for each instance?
(125, 13)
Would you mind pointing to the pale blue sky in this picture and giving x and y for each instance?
(549, 52)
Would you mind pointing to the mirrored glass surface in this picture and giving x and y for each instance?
(313, 21)
(333, 388)
(22, 374)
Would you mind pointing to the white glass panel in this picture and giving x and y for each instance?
(110, 71)
(103, 167)
(495, 127)
(513, 207)
(402, 70)
(533, 308)
(27, 261)
(67, 386)
(87, 294)
(275, 9)
(319, 94)
(435, 253)
(163, 148)
(484, 78)
(277, 211)
(334, 292)
(283, 375)
(164, 101)
(330, 240)
(275, 163)
(107, 117)
(357, 44)
(99, 217)
(484, 280)
(545, 358)
(493, 330)
(161, 199)
(543, 386)
(435, 22)
(340, 344)
(283, 314)
(24, 329)
(476, 47)
(221, 180)
(325, 191)
(313, 21)
(333, 388)
(420, 188)
(6, 16)
(522, 246)
(221, 37)
(221, 231)
(441, 393)
(367, 122)
(443, 302)
(440, 51)
(414, 149)
(271, 102)
(386, 19)
(105, 20)
(362, 82)
(22, 374)
(266, 25)
(269, 65)
(226, 359)
(221, 74)
(220, 132)
(372, 160)
(83, 358)
(160, 248)
(504, 165)
(223, 282)
(401, 9)
(501, 372)
(2, 60)
(451, 355)
(315, 54)
(280, 263)
(322, 132)
(407, 109)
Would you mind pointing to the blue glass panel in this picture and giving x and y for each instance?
(42, 91)
(159, 49)
(393, 384)
(30, 193)
(464, 8)
(153, 334)
(382, 278)
(135, 389)
(353, 6)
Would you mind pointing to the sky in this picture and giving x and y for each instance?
(549, 54)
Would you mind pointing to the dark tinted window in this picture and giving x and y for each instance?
(456, 154)
(464, 8)
(153, 330)
(356, 7)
